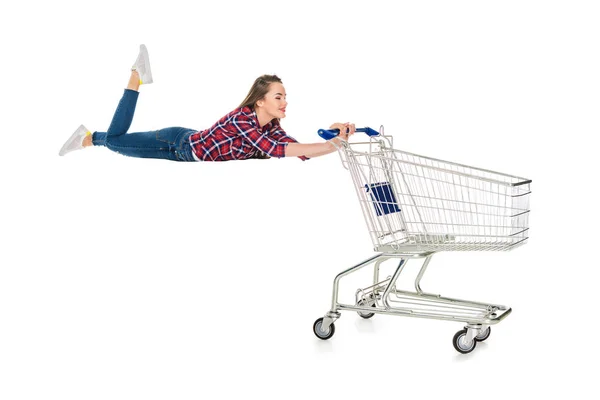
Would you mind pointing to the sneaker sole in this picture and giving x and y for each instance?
(146, 59)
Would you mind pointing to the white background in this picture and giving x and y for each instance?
(124, 278)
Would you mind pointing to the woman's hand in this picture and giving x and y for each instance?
(320, 149)
(346, 130)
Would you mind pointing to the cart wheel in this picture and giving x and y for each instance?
(320, 334)
(484, 334)
(364, 314)
(459, 342)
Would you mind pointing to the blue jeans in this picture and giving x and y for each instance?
(169, 143)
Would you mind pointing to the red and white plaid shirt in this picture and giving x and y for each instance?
(238, 136)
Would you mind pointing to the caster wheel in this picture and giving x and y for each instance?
(319, 332)
(459, 342)
(365, 315)
(483, 334)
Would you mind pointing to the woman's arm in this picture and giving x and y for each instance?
(310, 150)
(313, 150)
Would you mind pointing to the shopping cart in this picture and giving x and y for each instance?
(415, 206)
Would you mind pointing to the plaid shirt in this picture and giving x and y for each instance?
(238, 136)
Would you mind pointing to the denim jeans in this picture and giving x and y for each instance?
(169, 143)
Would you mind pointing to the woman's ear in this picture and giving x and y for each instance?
(260, 103)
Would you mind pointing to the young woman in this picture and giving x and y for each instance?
(250, 131)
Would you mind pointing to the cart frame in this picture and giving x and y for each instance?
(384, 211)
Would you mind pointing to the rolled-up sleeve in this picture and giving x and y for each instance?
(248, 129)
(279, 134)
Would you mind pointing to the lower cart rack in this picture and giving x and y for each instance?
(423, 305)
(383, 297)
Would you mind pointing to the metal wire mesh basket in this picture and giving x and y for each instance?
(416, 203)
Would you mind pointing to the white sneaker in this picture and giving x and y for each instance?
(75, 142)
(142, 66)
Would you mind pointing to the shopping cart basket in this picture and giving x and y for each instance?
(415, 206)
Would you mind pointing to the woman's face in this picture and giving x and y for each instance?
(274, 102)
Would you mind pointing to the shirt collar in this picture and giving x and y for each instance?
(266, 128)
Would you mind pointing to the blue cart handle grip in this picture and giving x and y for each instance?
(331, 133)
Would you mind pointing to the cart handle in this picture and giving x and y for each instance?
(331, 133)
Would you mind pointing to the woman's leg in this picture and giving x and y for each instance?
(123, 116)
(168, 143)
(126, 109)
